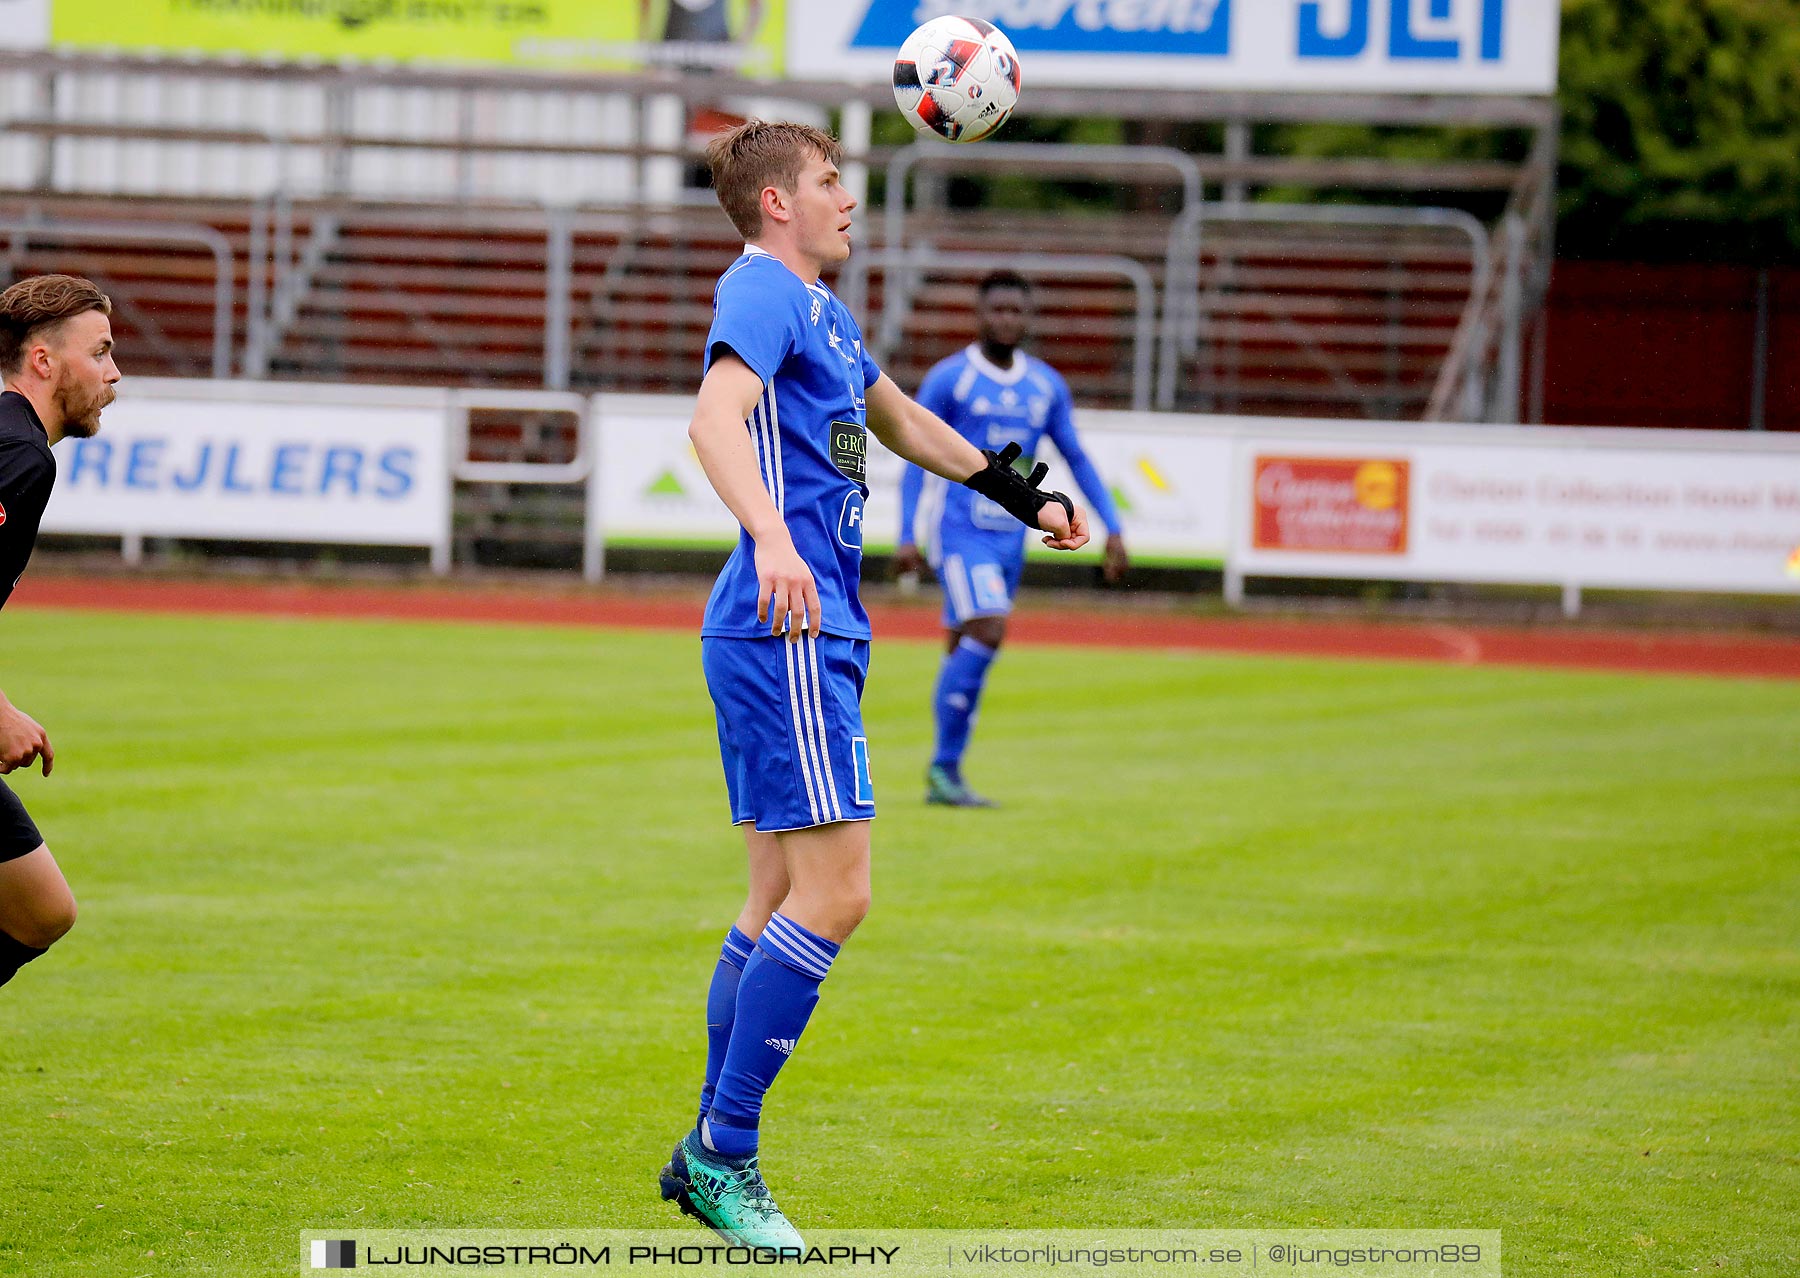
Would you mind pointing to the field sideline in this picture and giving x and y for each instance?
(1107, 624)
(399, 923)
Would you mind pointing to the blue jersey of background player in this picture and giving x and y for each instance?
(994, 394)
(780, 427)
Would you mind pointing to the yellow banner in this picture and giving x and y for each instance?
(615, 35)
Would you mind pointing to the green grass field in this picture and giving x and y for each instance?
(396, 925)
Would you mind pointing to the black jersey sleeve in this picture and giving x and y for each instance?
(27, 474)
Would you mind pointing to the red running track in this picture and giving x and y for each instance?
(1661, 651)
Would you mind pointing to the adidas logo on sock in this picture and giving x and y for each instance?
(783, 1045)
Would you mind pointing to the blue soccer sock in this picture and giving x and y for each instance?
(957, 698)
(776, 996)
(721, 1008)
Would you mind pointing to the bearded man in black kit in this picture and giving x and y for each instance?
(56, 357)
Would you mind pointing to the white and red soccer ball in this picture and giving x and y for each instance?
(957, 78)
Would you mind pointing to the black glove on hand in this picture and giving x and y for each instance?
(1012, 492)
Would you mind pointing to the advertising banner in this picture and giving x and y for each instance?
(327, 469)
(1333, 504)
(626, 35)
(24, 24)
(1629, 509)
(651, 489)
(648, 485)
(1524, 505)
(1171, 486)
(1381, 46)
(1673, 510)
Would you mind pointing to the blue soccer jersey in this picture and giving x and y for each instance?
(810, 434)
(992, 407)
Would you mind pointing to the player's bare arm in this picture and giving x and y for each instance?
(919, 435)
(789, 598)
(22, 739)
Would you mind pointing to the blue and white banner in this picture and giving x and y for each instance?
(1383, 46)
(255, 462)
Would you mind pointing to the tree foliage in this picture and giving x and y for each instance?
(1681, 128)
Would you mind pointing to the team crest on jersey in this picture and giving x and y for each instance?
(2, 514)
(851, 350)
(850, 451)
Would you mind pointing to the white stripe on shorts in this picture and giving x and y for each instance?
(809, 716)
(812, 648)
(800, 734)
(956, 581)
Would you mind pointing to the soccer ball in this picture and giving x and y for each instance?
(957, 78)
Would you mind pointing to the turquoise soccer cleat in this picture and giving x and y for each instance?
(728, 1196)
(945, 788)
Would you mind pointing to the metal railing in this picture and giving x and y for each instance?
(282, 266)
(576, 471)
(25, 230)
(1514, 288)
(1026, 156)
(922, 261)
(1182, 310)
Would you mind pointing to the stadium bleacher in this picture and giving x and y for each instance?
(1317, 321)
(479, 230)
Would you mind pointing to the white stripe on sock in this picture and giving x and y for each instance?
(793, 935)
(782, 948)
(791, 943)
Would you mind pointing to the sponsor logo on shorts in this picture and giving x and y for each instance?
(783, 1045)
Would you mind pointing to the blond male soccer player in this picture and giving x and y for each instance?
(56, 356)
(785, 406)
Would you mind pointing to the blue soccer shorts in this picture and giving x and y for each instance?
(790, 729)
(978, 581)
